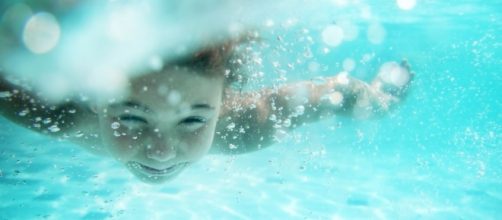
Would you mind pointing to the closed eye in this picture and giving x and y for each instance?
(193, 120)
(192, 123)
(132, 120)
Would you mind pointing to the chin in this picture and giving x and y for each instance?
(154, 180)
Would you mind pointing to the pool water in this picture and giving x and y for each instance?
(437, 156)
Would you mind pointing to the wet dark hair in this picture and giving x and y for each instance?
(220, 60)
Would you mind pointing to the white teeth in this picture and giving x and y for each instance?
(157, 170)
(151, 170)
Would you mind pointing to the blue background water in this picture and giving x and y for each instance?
(438, 156)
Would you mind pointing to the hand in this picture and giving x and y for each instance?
(393, 79)
(363, 100)
(390, 85)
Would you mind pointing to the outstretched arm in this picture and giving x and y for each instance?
(252, 121)
(24, 107)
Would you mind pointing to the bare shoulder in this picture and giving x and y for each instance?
(243, 124)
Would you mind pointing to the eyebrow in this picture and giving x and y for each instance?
(132, 104)
(202, 107)
(142, 107)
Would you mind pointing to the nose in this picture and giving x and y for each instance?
(160, 151)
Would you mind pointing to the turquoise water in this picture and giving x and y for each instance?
(437, 156)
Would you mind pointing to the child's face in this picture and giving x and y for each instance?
(166, 122)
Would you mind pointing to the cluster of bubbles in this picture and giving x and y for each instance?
(335, 34)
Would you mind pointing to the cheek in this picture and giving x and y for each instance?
(121, 143)
(197, 144)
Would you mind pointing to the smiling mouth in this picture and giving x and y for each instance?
(154, 171)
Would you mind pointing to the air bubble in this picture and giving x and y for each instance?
(392, 73)
(231, 126)
(269, 23)
(115, 125)
(376, 33)
(54, 128)
(332, 35)
(314, 67)
(280, 135)
(308, 53)
(367, 57)
(79, 134)
(47, 121)
(349, 64)
(41, 33)
(286, 123)
(116, 134)
(174, 98)
(350, 31)
(336, 98)
(6, 94)
(343, 78)
(156, 63)
(299, 110)
(24, 112)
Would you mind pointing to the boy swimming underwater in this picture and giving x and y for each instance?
(171, 117)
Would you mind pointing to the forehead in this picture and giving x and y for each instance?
(174, 86)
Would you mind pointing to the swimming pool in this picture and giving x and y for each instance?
(437, 156)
